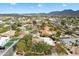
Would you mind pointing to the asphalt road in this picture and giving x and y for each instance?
(8, 51)
(2, 51)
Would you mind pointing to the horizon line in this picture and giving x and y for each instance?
(38, 12)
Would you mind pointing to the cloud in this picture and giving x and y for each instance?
(32, 7)
(13, 3)
(64, 5)
(40, 5)
(10, 8)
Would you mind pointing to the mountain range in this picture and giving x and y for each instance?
(63, 12)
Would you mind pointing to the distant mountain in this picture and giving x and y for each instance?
(65, 12)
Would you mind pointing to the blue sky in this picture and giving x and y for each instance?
(36, 7)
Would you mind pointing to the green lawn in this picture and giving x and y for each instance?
(9, 43)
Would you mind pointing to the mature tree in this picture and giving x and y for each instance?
(42, 48)
(63, 22)
(20, 46)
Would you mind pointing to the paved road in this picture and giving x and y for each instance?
(9, 51)
(2, 51)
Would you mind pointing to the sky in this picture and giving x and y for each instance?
(22, 8)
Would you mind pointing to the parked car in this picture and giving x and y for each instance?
(2, 48)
